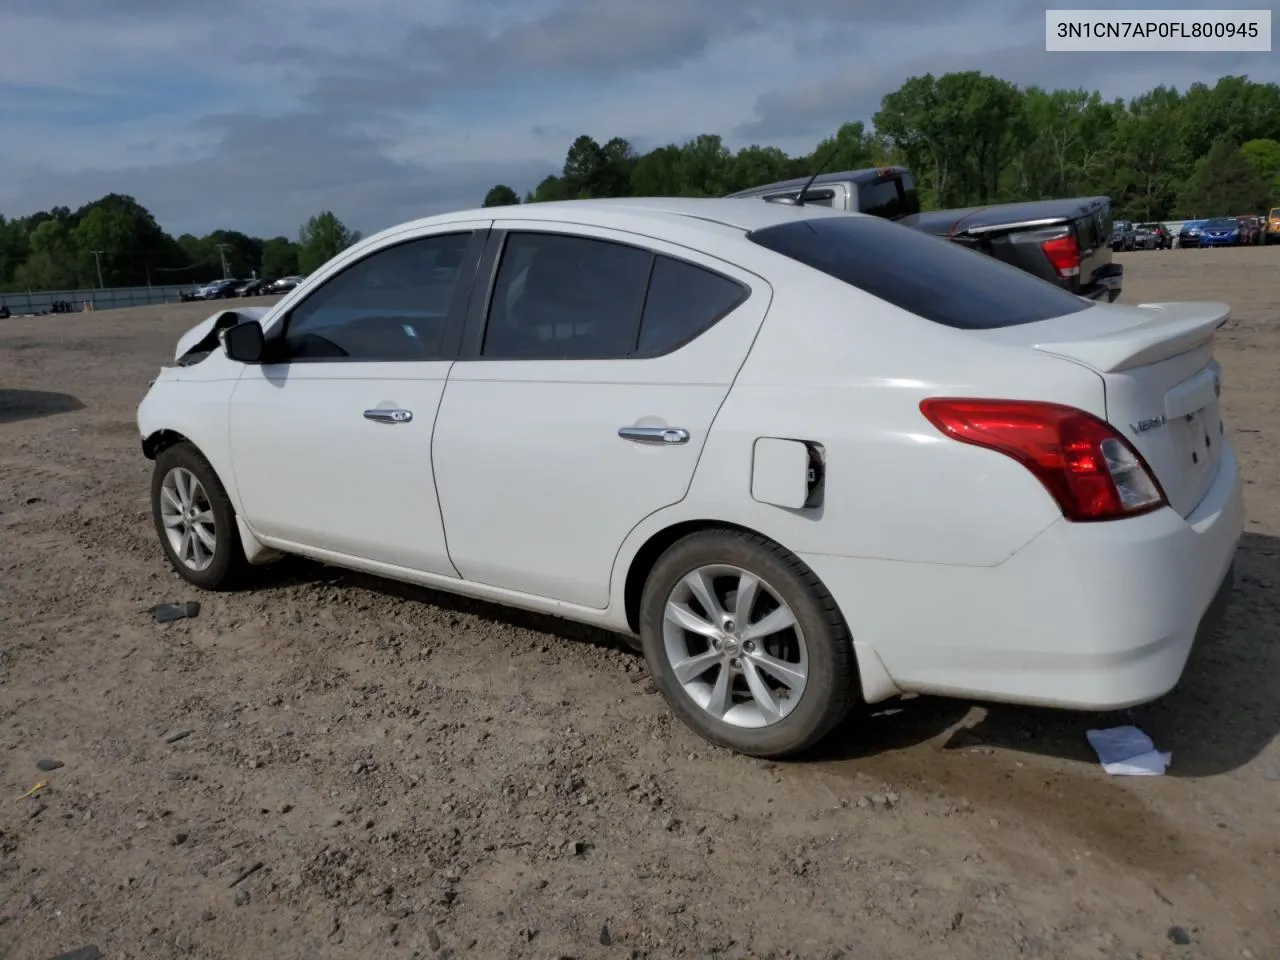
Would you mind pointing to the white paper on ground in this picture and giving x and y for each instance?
(1127, 751)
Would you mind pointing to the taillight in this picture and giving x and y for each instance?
(1064, 254)
(1085, 464)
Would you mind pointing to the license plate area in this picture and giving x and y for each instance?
(1199, 440)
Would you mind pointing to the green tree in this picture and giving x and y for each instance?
(852, 148)
(1223, 184)
(551, 188)
(1234, 108)
(1147, 159)
(54, 262)
(959, 131)
(321, 239)
(500, 196)
(755, 166)
(279, 258)
(1264, 156)
(657, 173)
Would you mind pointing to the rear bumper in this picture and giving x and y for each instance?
(1086, 616)
(1107, 283)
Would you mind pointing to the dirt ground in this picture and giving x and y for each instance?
(415, 776)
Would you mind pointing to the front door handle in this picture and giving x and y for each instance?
(660, 435)
(388, 415)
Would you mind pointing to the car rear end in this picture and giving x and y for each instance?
(1101, 608)
(1077, 254)
(1063, 241)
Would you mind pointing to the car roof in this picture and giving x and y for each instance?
(712, 215)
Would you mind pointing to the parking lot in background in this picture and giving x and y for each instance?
(415, 774)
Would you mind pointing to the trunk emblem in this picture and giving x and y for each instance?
(1142, 426)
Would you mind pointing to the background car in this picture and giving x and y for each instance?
(1189, 235)
(1221, 232)
(1273, 226)
(1249, 231)
(284, 284)
(758, 437)
(1162, 237)
(1123, 236)
(1145, 239)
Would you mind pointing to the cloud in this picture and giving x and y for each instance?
(255, 116)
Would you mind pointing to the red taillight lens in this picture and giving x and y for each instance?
(1088, 467)
(1064, 254)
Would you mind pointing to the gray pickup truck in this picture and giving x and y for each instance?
(1067, 242)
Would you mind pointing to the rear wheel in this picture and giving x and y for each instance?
(746, 644)
(195, 520)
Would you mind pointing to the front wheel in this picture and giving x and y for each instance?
(746, 644)
(195, 519)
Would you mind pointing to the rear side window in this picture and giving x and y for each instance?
(683, 301)
(933, 278)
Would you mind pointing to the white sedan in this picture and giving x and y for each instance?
(808, 458)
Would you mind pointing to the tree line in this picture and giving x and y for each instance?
(975, 139)
(970, 138)
(116, 242)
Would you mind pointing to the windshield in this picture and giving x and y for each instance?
(1221, 223)
(933, 278)
(1275, 211)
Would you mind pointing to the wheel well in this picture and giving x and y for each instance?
(160, 441)
(648, 555)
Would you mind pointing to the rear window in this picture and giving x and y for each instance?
(930, 277)
(889, 198)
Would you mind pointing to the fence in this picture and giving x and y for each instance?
(42, 301)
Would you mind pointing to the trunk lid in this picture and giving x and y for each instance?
(1160, 379)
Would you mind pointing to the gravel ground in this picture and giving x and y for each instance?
(334, 766)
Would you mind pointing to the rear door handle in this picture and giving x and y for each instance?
(386, 415)
(657, 435)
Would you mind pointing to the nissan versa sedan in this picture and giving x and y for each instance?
(804, 459)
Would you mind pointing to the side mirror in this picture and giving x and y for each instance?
(244, 342)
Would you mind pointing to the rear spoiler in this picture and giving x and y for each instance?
(1172, 328)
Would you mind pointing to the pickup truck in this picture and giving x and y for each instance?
(1066, 242)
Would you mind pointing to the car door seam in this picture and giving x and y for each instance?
(693, 474)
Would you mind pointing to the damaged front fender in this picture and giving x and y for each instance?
(202, 339)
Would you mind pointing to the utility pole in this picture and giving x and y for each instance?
(97, 258)
(222, 252)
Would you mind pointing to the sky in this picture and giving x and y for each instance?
(253, 115)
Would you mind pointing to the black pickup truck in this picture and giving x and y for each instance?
(1067, 242)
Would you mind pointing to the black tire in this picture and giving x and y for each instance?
(831, 689)
(228, 566)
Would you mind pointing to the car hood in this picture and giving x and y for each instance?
(202, 329)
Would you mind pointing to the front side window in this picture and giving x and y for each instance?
(390, 306)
